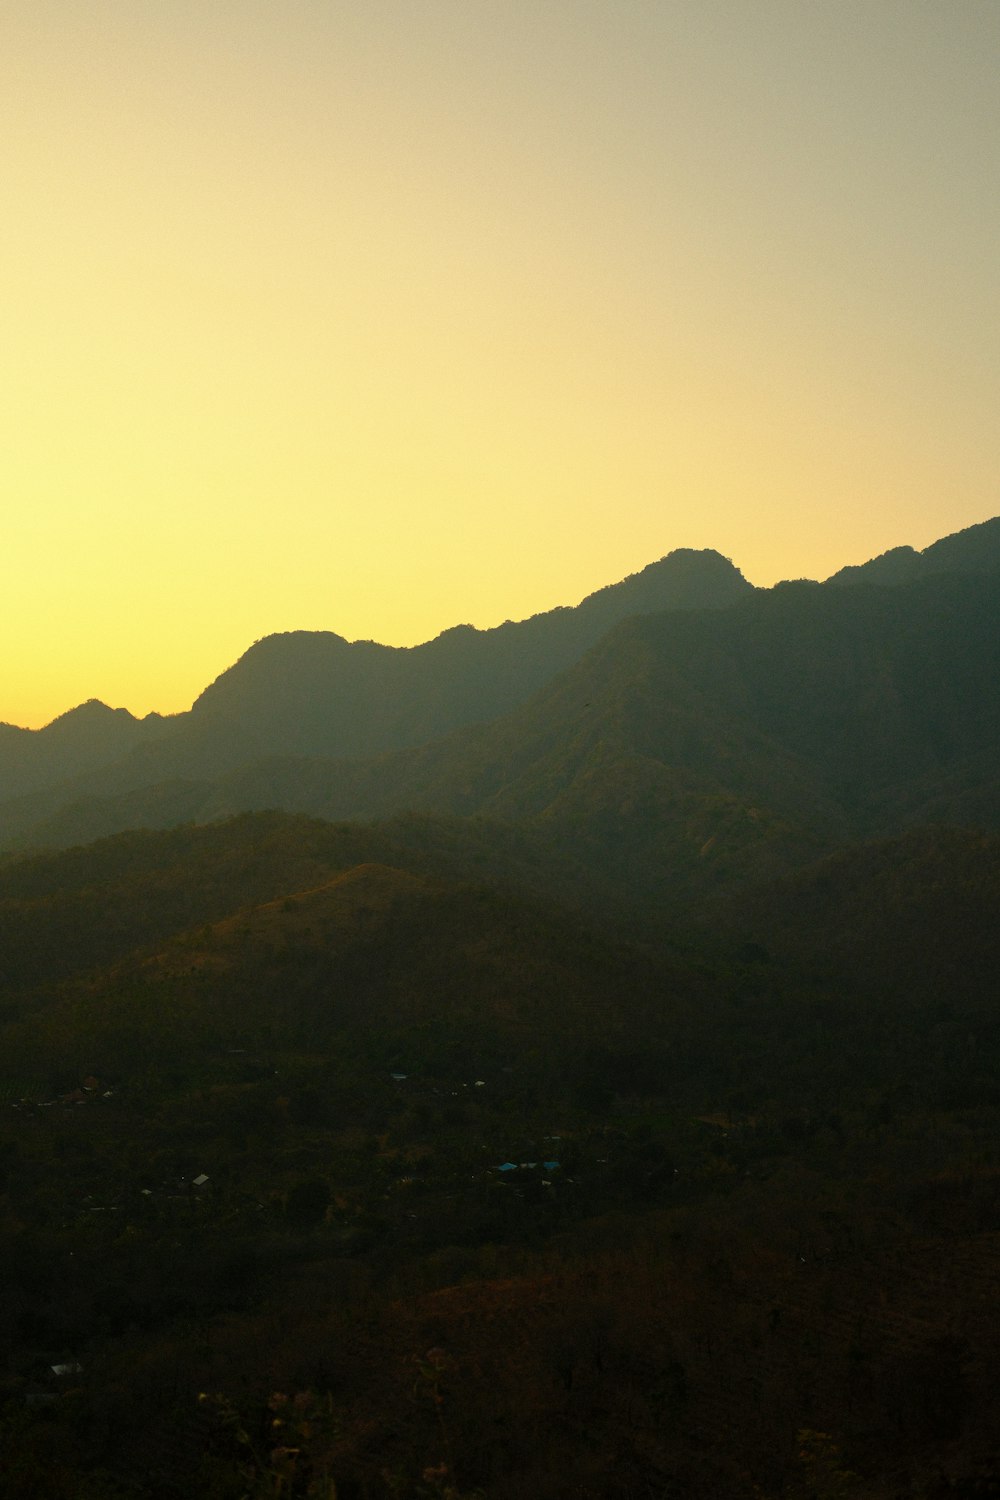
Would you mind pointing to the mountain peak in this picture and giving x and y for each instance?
(93, 709)
(976, 549)
(684, 579)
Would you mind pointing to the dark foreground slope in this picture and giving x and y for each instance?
(472, 1196)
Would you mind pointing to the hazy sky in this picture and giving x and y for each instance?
(378, 316)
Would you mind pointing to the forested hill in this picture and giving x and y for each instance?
(974, 550)
(315, 693)
(689, 747)
(447, 726)
(440, 1177)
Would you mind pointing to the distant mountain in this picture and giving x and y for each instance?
(974, 550)
(690, 745)
(803, 716)
(76, 742)
(686, 752)
(313, 693)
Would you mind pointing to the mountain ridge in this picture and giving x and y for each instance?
(975, 549)
(315, 697)
(684, 749)
(313, 692)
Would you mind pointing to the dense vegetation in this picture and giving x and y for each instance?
(775, 1145)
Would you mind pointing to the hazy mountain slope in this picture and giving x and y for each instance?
(817, 704)
(76, 742)
(763, 732)
(878, 690)
(913, 918)
(974, 550)
(822, 705)
(620, 749)
(315, 693)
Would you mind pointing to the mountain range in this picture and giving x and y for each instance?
(680, 698)
(557, 1059)
(313, 693)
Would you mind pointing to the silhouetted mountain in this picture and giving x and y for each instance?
(76, 742)
(974, 550)
(693, 744)
(813, 721)
(315, 693)
(687, 751)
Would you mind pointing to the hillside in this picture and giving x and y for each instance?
(256, 737)
(357, 1147)
(604, 1104)
(911, 917)
(317, 694)
(688, 750)
(72, 745)
(974, 550)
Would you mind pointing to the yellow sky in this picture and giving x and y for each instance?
(384, 315)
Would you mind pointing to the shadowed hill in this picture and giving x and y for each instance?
(376, 951)
(66, 914)
(974, 550)
(801, 710)
(76, 742)
(689, 751)
(910, 918)
(313, 693)
(382, 946)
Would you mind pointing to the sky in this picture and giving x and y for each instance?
(381, 316)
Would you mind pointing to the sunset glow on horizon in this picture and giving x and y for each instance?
(391, 315)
